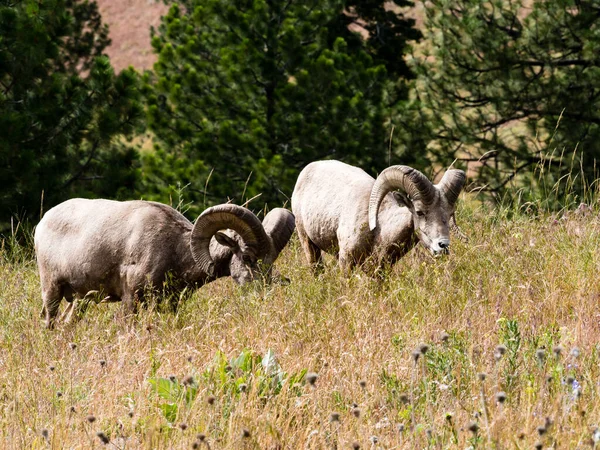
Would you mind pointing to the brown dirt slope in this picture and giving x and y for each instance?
(129, 22)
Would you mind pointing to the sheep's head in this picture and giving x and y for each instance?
(249, 246)
(432, 207)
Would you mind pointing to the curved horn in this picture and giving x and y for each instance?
(220, 217)
(451, 184)
(411, 181)
(279, 225)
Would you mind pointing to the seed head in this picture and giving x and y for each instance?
(189, 359)
(201, 437)
(374, 440)
(448, 416)
(473, 427)
(195, 445)
(401, 428)
(210, 400)
(422, 348)
(45, 433)
(91, 418)
(243, 387)
(540, 354)
(445, 337)
(538, 445)
(557, 350)
(188, 381)
(334, 417)
(355, 446)
(130, 413)
(356, 412)
(51, 368)
(575, 352)
(102, 362)
(403, 398)
(570, 380)
(311, 377)
(73, 345)
(73, 410)
(541, 430)
(500, 351)
(482, 376)
(500, 397)
(59, 394)
(173, 378)
(103, 437)
(416, 355)
(362, 384)
(245, 433)
(183, 426)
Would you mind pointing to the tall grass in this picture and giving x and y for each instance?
(495, 346)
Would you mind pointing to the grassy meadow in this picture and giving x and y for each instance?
(495, 346)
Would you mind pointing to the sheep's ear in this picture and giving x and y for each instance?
(403, 200)
(225, 240)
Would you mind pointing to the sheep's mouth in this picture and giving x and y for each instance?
(440, 253)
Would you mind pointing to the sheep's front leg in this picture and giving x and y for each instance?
(131, 300)
(346, 263)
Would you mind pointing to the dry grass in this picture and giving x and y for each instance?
(525, 284)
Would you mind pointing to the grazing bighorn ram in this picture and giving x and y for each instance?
(340, 209)
(121, 248)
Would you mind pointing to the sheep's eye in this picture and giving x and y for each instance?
(247, 259)
(420, 214)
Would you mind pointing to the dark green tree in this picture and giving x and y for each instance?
(248, 92)
(511, 89)
(384, 32)
(61, 107)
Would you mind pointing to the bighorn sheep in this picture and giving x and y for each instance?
(342, 210)
(121, 248)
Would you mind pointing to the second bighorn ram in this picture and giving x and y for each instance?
(342, 210)
(119, 249)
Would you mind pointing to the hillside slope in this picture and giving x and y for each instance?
(130, 22)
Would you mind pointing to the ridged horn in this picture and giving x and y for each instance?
(411, 181)
(279, 225)
(221, 217)
(451, 184)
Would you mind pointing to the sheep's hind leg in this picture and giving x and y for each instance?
(312, 252)
(51, 298)
(78, 307)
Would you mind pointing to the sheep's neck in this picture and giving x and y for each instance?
(397, 231)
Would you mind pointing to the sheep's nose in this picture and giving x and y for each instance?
(442, 247)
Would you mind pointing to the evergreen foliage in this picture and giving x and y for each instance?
(511, 86)
(60, 107)
(246, 93)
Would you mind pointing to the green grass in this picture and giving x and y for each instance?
(522, 283)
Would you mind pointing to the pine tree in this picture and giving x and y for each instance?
(510, 88)
(245, 93)
(61, 105)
